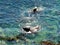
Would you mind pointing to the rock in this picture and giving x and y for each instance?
(47, 43)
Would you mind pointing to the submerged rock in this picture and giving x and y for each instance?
(47, 43)
(58, 43)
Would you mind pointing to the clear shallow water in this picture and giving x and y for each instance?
(13, 11)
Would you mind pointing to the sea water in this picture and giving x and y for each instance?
(14, 15)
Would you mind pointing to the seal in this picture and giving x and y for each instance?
(36, 9)
(29, 29)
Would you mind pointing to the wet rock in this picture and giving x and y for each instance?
(47, 43)
(58, 43)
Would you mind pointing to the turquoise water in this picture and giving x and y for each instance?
(12, 13)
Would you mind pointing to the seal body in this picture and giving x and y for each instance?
(29, 29)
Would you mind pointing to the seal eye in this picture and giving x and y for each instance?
(26, 29)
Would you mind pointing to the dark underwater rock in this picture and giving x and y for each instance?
(47, 43)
